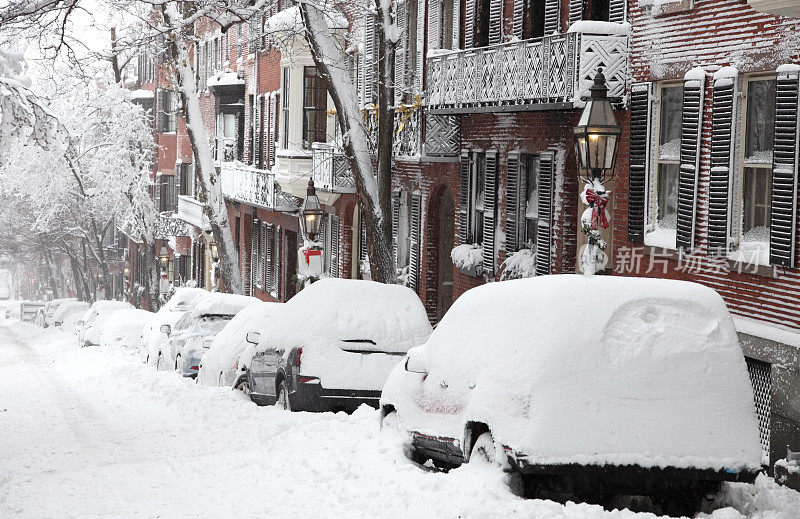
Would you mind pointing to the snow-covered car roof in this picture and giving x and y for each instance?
(104, 305)
(594, 370)
(218, 303)
(72, 307)
(182, 299)
(125, 324)
(346, 309)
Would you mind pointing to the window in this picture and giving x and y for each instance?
(668, 158)
(412, 8)
(481, 23)
(598, 10)
(315, 108)
(477, 198)
(169, 111)
(185, 179)
(533, 19)
(759, 129)
(529, 165)
(285, 109)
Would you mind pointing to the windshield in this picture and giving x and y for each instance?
(213, 323)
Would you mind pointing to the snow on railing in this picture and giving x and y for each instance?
(330, 169)
(190, 210)
(553, 69)
(248, 185)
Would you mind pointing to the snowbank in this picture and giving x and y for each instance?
(589, 370)
(123, 327)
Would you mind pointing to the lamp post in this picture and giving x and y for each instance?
(163, 257)
(596, 141)
(311, 212)
(126, 269)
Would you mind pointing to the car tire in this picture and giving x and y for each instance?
(283, 397)
(244, 387)
(389, 423)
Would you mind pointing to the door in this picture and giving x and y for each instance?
(263, 368)
(291, 264)
(444, 270)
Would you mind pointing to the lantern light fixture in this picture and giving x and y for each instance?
(597, 135)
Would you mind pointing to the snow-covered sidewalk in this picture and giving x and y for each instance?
(92, 432)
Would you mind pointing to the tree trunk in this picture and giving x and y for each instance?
(50, 275)
(374, 197)
(210, 185)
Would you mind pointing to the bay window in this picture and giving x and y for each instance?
(315, 108)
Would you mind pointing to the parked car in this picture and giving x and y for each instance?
(29, 309)
(123, 328)
(181, 302)
(589, 386)
(67, 309)
(44, 316)
(219, 365)
(97, 313)
(334, 344)
(185, 346)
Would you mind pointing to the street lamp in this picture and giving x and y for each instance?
(126, 268)
(596, 140)
(597, 135)
(311, 212)
(214, 251)
(163, 256)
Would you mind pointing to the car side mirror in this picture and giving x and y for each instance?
(79, 323)
(166, 329)
(253, 337)
(415, 363)
(207, 343)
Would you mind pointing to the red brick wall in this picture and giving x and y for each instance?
(714, 34)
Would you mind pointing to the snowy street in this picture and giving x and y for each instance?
(94, 433)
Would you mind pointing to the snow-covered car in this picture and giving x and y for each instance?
(181, 302)
(591, 385)
(67, 309)
(97, 314)
(333, 345)
(187, 340)
(29, 309)
(44, 317)
(219, 365)
(123, 328)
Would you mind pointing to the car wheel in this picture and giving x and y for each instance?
(283, 397)
(244, 387)
(390, 423)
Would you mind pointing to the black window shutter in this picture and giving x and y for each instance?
(495, 21)
(575, 11)
(691, 130)
(552, 16)
(322, 237)
(616, 11)
(544, 229)
(489, 208)
(395, 225)
(639, 159)
(469, 24)
(335, 237)
(783, 215)
(719, 183)
(463, 196)
(519, 18)
(251, 266)
(416, 236)
(269, 248)
(362, 241)
(512, 201)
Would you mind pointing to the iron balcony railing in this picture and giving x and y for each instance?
(553, 70)
(256, 187)
(190, 210)
(331, 172)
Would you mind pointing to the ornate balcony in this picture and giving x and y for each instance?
(330, 169)
(256, 187)
(539, 74)
(190, 210)
(168, 225)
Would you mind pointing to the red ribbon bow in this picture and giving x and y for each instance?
(598, 204)
(311, 252)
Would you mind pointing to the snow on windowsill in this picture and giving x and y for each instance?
(660, 237)
(753, 248)
(769, 331)
(595, 27)
(225, 79)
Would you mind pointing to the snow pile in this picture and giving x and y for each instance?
(661, 237)
(767, 331)
(520, 264)
(753, 248)
(225, 79)
(67, 309)
(142, 94)
(335, 320)
(467, 256)
(218, 366)
(596, 27)
(588, 370)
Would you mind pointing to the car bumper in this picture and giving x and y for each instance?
(313, 397)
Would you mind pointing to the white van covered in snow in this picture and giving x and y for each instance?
(588, 385)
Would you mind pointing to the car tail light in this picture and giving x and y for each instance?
(308, 380)
(195, 368)
(236, 367)
(298, 357)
